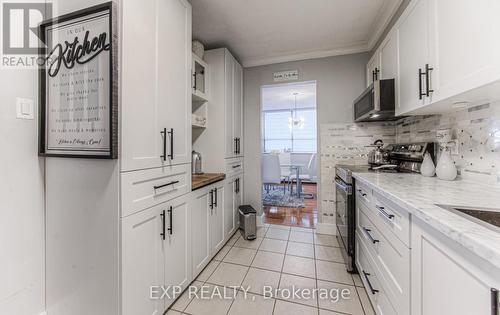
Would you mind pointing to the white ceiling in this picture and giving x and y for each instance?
(262, 32)
(275, 97)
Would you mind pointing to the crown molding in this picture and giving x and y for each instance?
(254, 62)
(384, 16)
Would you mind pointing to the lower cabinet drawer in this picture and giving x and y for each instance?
(392, 259)
(146, 188)
(372, 281)
(389, 217)
(234, 166)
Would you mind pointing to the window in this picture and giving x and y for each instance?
(281, 134)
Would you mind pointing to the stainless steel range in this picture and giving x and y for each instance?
(403, 158)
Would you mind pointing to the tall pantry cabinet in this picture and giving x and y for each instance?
(155, 151)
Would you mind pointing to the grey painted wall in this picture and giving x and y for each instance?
(339, 79)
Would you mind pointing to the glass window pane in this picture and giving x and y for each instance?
(277, 145)
(304, 146)
(308, 130)
(276, 125)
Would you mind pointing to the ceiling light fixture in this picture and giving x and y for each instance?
(294, 121)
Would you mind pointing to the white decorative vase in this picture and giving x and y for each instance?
(427, 169)
(198, 48)
(446, 169)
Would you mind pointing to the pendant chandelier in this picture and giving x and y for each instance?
(296, 121)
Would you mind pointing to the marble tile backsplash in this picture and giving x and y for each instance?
(476, 131)
(342, 143)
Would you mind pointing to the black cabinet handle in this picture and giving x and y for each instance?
(366, 274)
(170, 230)
(235, 145)
(236, 166)
(494, 301)
(171, 133)
(215, 193)
(165, 185)
(420, 93)
(373, 76)
(239, 146)
(211, 199)
(367, 231)
(162, 234)
(237, 185)
(164, 135)
(375, 73)
(382, 210)
(194, 80)
(428, 80)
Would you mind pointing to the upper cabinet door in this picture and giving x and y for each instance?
(238, 107)
(389, 57)
(230, 139)
(465, 45)
(140, 123)
(413, 37)
(174, 77)
(156, 83)
(373, 69)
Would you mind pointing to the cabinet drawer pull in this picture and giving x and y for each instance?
(428, 80)
(235, 146)
(420, 75)
(165, 185)
(171, 133)
(387, 215)
(367, 232)
(494, 301)
(211, 199)
(362, 193)
(164, 135)
(366, 274)
(236, 166)
(162, 215)
(215, 198)
(170, 230)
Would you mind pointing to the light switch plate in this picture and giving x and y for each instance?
(25, 108)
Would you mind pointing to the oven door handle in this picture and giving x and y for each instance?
(347, 189)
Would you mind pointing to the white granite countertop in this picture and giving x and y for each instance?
(419, 195)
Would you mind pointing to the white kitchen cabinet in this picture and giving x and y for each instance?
(388, 52)
(200, 227)
(238, 107)
(413, 38)
(177, 245)
(156, 95)
(200, 79)
(142, 261)
(233, 200)
(223, 140)
(217, 218)
(373, 69)
(447, 278)
(464, 45)
(156, 251)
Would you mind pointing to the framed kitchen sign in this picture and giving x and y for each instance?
(78, 84)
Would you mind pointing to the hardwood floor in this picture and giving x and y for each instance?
(300, 217)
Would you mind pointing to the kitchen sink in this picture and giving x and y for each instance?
(486, 217)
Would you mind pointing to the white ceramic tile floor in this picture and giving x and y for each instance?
(305, 266)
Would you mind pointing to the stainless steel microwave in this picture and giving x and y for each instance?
(377, 103)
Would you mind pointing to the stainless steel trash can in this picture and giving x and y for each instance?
(248, 222)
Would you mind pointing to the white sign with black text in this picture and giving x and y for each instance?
(288, 75)
(78, 86)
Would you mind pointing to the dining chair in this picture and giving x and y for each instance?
(271, 172)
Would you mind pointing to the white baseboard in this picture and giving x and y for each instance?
(326, 228)
(260, 220)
